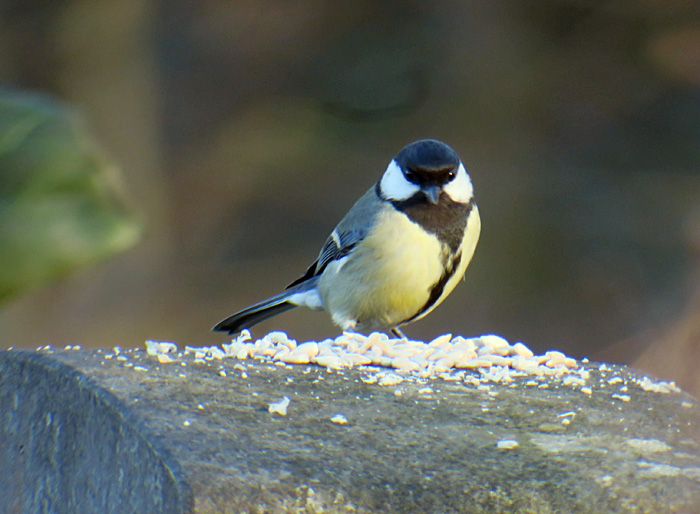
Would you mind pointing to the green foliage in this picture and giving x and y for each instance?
(60, 206)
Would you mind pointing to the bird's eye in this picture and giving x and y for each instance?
(409, 174)
(451, 175)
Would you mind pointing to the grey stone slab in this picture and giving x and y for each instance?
(434, 446)
(68, 445)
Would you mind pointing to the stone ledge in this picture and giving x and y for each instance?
(69, 445)
(84, 427)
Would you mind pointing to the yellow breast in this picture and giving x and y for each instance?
(388, 277)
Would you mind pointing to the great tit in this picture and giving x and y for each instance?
(398, 252)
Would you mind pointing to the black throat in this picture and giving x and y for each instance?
(447, 219)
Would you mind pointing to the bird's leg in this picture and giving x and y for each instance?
(398, 333)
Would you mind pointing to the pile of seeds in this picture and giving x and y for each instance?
(487, 353)
(477, 361)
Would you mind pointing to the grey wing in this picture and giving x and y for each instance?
(349, 232)
(336, 246)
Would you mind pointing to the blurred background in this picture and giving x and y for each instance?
(243, 131)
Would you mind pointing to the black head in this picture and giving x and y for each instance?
(428, 161)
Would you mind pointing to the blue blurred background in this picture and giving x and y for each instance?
(244, 131)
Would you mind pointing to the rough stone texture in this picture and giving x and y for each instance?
(617, 448)
(69, 446)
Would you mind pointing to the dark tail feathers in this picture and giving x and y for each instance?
(255, 314)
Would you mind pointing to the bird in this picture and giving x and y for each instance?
(395, 256)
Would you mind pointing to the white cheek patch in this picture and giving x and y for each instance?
(394, 185)
(460, 189)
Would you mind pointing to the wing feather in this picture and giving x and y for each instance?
(350, 231)
(337, 246)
